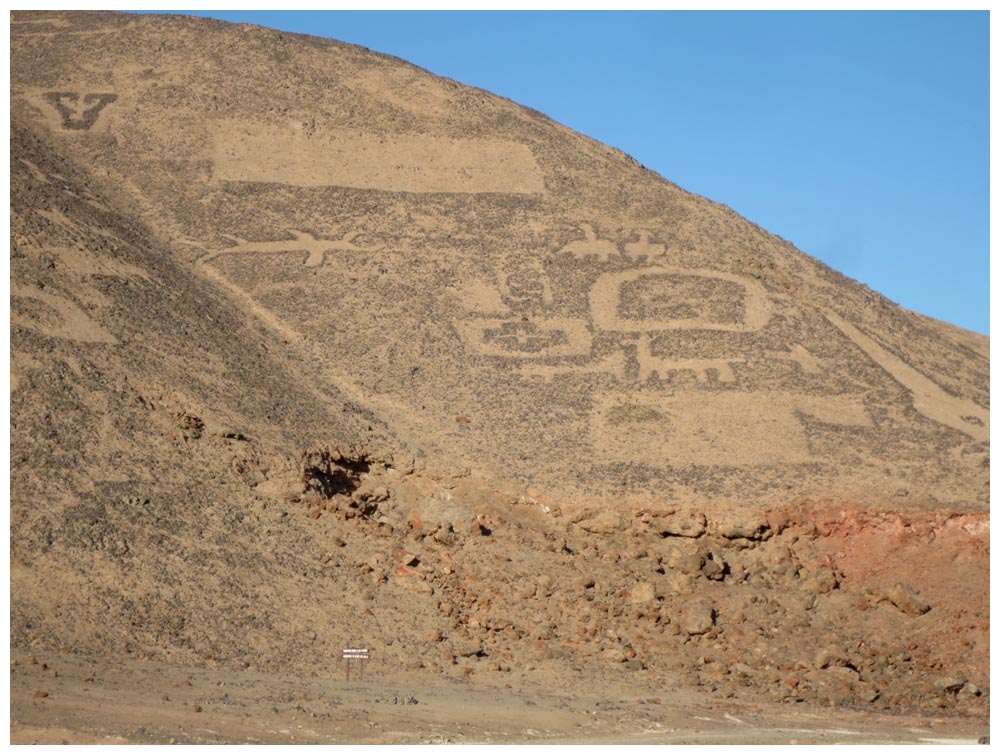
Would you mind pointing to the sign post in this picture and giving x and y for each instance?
(357, 653)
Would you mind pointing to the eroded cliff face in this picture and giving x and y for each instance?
(305, 339)
(819, 601)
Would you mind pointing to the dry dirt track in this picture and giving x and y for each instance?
(173, 704)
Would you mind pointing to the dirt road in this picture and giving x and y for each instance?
(76, 700)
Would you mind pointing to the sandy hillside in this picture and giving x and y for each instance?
(310, 347)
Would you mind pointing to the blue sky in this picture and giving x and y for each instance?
(861, 137)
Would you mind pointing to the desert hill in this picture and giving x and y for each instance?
(305, 339)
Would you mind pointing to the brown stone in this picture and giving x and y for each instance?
(613, 655)
(744, 525)
(685, 557)
(681, 584)
(287, 487)
(405, 558)
(644, 592)
(697, 618)
(949, 683)
(821, 581)
(416, 520)
(604, 523)
(906, 600)
(713, 567)
(447, 565)
(409, 573)
(413, 585)
(830, 656)
(682, 524)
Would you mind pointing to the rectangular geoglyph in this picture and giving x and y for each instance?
(398, 162)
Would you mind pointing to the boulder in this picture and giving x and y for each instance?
(407, 572)
(404, 557)
(614, 655)
(681, 524)
(680, 583)
(604, 523)
(952, 684)
(820, 581)
(443, 520)
(697, 618)
(742, 671)
(447, 564)
(830, 656)
(466, 648)
(906, 600)
(642, 593)
(687, 560)
(714, 567)
(744, 525)
(285, 487)
(415, 585)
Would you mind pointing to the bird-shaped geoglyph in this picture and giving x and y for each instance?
(303, 242)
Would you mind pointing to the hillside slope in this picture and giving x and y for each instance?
(305, 340)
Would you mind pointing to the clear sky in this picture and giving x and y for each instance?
(861, 137)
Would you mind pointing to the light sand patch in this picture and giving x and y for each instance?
(527, 339)
(75, 324)
(725, 429)
(644, 247)
(928, 397)
(56, 21)
(650, 364)
(402, 162)
(479, 297)
(591, 246)
(314, 248)
(21, 734)
(703, 369)
(86, 264)
(35, 171)
(613, 364)
(410, 90)
(667, 290)
(91, 33)
(800, 355)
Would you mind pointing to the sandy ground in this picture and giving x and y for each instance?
(76, 700)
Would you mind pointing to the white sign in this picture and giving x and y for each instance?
(355, 654)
